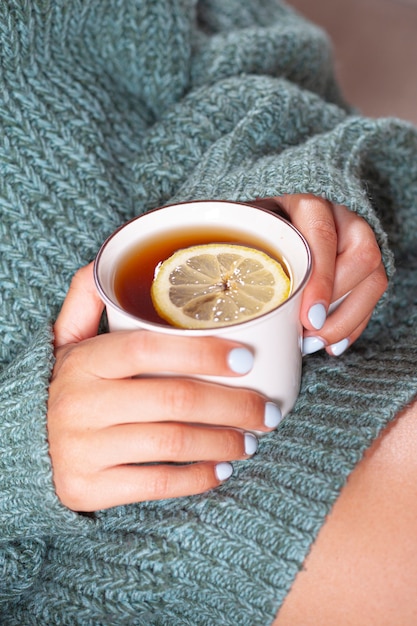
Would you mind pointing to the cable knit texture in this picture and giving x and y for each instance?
(109, 108)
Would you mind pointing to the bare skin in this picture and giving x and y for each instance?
(102, 422)
(113, 436)
(362, 569)
(346, 262)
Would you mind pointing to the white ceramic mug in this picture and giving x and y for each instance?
(275, 337)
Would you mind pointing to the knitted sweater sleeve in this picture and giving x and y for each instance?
(268, 118)
(124, 106)
(29, 508)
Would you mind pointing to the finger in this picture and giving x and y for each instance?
(358, 252)
(350, 318)
(339, 347)
(314, 218)
(172, 442)
(80, 314)
(169, 399)
(130, 353)
(355, 308)
(129, 484)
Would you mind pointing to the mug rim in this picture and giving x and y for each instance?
(145, 324)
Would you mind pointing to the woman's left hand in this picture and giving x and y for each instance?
(347, 267)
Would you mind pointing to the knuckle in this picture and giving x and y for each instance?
(174, 441)
(369, 255)
(200, 478)
(341, 329)
(233, 446)
(72, 490)
(139, 342)
(166, 481)
(325, 228)
(68, 362)
(251, 409)
(139, 346)
(64, 407)
(207, 352)
(380, 281)
(253, 405)
(61, 406)
(162, 483)
(180, 398)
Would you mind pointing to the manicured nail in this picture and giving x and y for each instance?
(312, 344)
(240, 360)
(223, 471)
(251, 444)
(317, 315)
(339, 347)
(273, 415)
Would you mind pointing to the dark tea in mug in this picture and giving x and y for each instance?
(125, 267)
(136, 270)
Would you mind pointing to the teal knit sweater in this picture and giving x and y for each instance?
(109, 108)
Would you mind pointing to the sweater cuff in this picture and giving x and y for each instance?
(28, 504)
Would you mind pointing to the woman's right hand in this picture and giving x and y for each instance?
(114, 435)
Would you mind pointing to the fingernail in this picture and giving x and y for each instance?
(223, 471)
(251, 444)
(312, 344)
(339, 347)
(317, 315)
(240, 360)
(273, 415)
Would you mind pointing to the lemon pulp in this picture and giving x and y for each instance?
(213, 285)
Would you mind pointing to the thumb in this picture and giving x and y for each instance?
(81, 312)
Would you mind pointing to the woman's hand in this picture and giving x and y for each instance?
(113, 437)
(347, 270)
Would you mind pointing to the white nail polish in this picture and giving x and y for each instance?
(339, 347)
(312, 344)
(223, 471)
(240, 360)
(317, 315)
(273, 415)
(251, 444)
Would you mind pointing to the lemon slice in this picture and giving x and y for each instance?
(213, 285)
